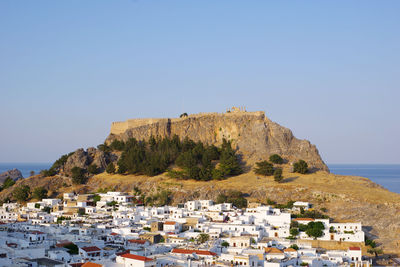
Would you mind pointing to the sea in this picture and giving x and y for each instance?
(387, 175)
(25, 168)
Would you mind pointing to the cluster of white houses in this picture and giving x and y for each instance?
(108, 230)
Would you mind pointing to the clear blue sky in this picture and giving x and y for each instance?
(328, 70)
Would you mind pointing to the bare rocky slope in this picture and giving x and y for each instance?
(255, 136)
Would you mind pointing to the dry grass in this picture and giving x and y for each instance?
(339, 185)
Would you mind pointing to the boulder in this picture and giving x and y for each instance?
(82, 159)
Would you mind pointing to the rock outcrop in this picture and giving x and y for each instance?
(14, 174)
(82, 159)
(255, 136)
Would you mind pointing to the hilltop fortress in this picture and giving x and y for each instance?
(120, 127)
(252, 133)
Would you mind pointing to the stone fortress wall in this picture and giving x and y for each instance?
(254, 135)
(121, 126)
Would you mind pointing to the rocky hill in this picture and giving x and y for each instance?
(254, 135)
(14, 174)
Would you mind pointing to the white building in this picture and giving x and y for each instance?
(132, 260)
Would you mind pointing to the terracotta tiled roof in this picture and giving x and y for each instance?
(169, 223)
(90, 249)
(63, 243)
(122, 253)
(273, 251)
(136, 257)
(114, 234)
(354, 248)
(91, 264)
(191, 251)
(290, 250)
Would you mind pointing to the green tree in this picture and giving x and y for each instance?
(294, 246)
(8, 182)
(110, 168)
(78, 175)
(303, 227)
(371, 243)
(57, 165)
(117, 145)
(235, 197)
(294, 224)
(96, 198)
(21, 193)
(186, 160)
(294, 231)
(46, 209)
(275, 158)
(315, 229)
(278, 175)
(202, 238)
(301, 167)
(264, 168)
(183, 115)
(31, 173)
(49, 172)
(217, 174)
(314, 232)
(104, 147)
(225, 244)
(212, 152)
(39, 193)
(93, 169)
(375, 251)
(229, 163)
(72, 249)
(81, 212)
(112, 203)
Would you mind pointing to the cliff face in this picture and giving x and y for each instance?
(82, 159)
(253, 134)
